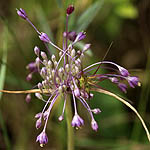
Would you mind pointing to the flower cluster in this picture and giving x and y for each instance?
(65, 75)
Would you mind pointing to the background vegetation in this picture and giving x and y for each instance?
(125, 22)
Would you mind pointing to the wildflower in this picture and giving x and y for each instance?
(65, 75)
(22, 13)
(42, 138)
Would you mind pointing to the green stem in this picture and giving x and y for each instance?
(70, 132)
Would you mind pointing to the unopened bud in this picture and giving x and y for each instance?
(36, 51)
(22, 13)
(44, 37)
(39, 96)
(53, 58)
(70, 9)
(44, 56)
(28, 98)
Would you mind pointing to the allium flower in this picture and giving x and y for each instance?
(42, 138)
(65, 75)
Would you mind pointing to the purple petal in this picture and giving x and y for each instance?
(22, 13)
(42, 138)
(133, 81)
(28, 98)
(94, 125)
(80, 36)
(77, 121)
(122, 87)
(38, 123)
(44, 37)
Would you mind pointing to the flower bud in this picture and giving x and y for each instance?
(40, 86)
(86, 47)
(44, 37)
(96, 111)
(70, 9)
(28, 98)
(42, 139)
(67, 67)
(72, 35)
(123, 71)
(49, 64)
(53, 58)
(61, 118)
(77, 121)
(36, 51)
(73, 53)
(43, 54)
(60, 54)
(38, 115)
(80, 36)
(122, 87)
(22, 13)
(38, 123)
(94, 125)
(31, 66)
(39, 96)
(29, 77)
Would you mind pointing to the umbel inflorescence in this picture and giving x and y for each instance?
(65, 75)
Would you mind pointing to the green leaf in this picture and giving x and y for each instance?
(2, 79)
(4, 61)
(87, 17)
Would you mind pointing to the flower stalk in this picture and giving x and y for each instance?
(70, 130)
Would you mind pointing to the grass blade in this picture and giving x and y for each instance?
(2, 79)
(87, 17)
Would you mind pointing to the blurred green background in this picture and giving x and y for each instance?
(126, 23)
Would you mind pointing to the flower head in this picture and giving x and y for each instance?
(65, 75)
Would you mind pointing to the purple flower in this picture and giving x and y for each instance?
(44, 37)
(123, 71)
(38, 115)
(28, 98)
(42, 138)
(64, 75)
(38, 123)
(71, 35)
(94, 125)
(122, 87)
(96, 110)
(22, 13)
(70, 9)
(133, 81)
(36, 51)
(32, 67)
(80, 36)
(61, 118)
(77, 121)
(29, 77)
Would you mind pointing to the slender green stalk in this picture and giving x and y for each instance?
(70, 132)
(2, 81)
